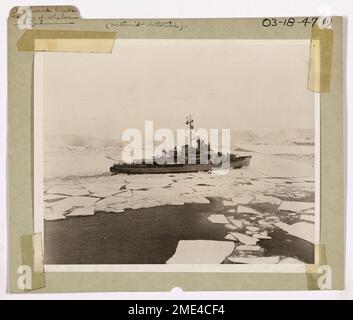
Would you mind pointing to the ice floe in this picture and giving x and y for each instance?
(260, 198)
(308, 211)
(273, 218)
(296, 206)
(248, 248)
(102, 187)
(69, 191)
(83, 211)
(262, 236)
(247, 210)
(303, 230)
(237, 223)
(307, 217)
(114, 209)
(53, 197)
(265, 224)
(255, 260)
(229, 203)
(111, 200)
(253, 229)
(58, 209)
(229, 237)
(104, 193)
(218, 218)
(242, 199)
(243, 238)
(51, 214)
(72, 202)
(230, 227)
(290, 260)
(201, 252)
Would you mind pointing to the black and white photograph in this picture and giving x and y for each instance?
(177, 153)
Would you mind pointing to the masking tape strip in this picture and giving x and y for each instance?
(313, 271)
(320, 60)
(32, 257)
(67, 41)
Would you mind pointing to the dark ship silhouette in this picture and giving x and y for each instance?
(195, 160)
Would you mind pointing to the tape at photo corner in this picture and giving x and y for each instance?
(319, 76)
(66, 41)
(31, 272)
(317, 275)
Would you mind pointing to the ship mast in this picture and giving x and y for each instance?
(190, 121)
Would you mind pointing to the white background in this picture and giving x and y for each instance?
(187, 9)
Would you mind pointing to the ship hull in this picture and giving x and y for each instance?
(239, 162)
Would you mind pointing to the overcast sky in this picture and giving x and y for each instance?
(239, 85)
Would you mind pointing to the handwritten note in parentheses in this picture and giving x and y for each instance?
(136, 24)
